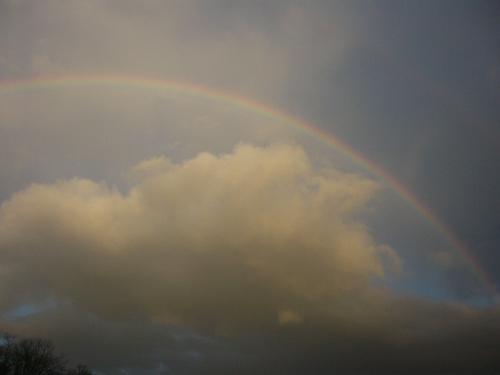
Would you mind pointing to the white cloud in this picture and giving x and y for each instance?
(220, 241)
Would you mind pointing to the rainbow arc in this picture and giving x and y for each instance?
(248, 104)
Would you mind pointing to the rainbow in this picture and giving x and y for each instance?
(248, 104)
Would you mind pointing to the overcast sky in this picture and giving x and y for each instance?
(145, 230)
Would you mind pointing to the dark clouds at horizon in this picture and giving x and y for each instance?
(237, 244)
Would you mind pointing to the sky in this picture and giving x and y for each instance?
(285, 187)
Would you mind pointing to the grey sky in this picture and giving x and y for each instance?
(413, 86)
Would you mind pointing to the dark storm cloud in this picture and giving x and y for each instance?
(376, 334)
(419, 94)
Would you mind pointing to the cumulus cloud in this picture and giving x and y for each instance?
(255, 242)
(223, 242)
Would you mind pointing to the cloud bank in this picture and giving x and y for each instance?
(198, 258)
(239, 240)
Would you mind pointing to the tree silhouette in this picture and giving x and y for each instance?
(33, 357)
